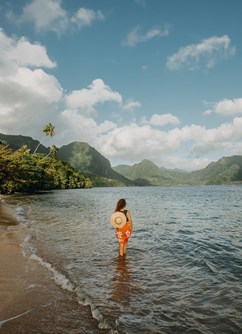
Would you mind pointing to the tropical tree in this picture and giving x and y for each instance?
(48, 130)
(24, 150)
(53, 151)
(21, 171)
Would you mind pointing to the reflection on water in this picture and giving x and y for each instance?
(182, 272)
(121, 283)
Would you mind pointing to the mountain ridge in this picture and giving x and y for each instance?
(87, 159)
(79, 155)
(225, 170)
(90, 162)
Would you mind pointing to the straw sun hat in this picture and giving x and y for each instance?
(118, 219)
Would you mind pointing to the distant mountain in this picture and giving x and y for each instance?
(144, 173)
(91, 163)
(87, 159)
(225, 170)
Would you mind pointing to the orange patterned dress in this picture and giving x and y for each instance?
(124, 233)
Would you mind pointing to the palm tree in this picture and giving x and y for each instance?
(53, 151)
(48, 130)
(24, 150)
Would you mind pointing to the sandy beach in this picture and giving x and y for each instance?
(31, 302)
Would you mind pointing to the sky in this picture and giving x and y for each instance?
(135, 79)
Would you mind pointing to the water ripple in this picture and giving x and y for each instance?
(183, 269)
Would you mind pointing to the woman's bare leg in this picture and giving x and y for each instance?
(121, 249)
(125, 248)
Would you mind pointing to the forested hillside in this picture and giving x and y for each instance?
(89, 161)
(81, 156)
(225, 170)
(95, 167)
(22, 171)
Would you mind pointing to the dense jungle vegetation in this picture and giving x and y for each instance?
(23, 171)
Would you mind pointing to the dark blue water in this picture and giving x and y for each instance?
(183, 268)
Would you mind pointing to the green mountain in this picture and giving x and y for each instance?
(91, 163)
(88, 160)
(144, 173)
(225, 170)
(17, 141)
(81, 156)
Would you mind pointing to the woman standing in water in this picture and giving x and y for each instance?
(123, 233)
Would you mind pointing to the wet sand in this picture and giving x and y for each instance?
(30, 300)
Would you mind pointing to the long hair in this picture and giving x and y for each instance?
(120, 205)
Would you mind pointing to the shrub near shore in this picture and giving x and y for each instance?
(21, 171)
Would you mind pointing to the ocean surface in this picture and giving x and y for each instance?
(183, 268)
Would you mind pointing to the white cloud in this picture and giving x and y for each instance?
(17, 58)
(182, 163)
(161, 120)
(46, 15)
(74, 126)
(97, 92)
(133, 143)
(206, 53)
(135, 37)
(85, 17)
(226, 107)
(49, 15)
(131, 105)
(221, 138)
(23, 53)
(39, 83)
(27, 95)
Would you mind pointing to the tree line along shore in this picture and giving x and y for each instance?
(26, 172)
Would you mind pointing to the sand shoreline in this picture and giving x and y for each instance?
(31, 302)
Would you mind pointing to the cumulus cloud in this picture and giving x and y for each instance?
(20, 52)
(131, 105)
(45, 15)
(85, 17)
(226, 107)
(133, 143)
(27, 93)
(207, 53)
(85, 100)
(135, 36)
(97, 92)
(182, 163)
(78, 127)
(49, 15)
(219, 138)
(131, 140)
(161, 120)
(79, 123)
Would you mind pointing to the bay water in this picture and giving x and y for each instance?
(183, 268)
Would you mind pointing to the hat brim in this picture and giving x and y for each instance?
(118, 219)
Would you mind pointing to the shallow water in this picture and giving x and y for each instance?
(183, 269)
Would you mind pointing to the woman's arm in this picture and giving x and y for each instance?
(130, 219)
